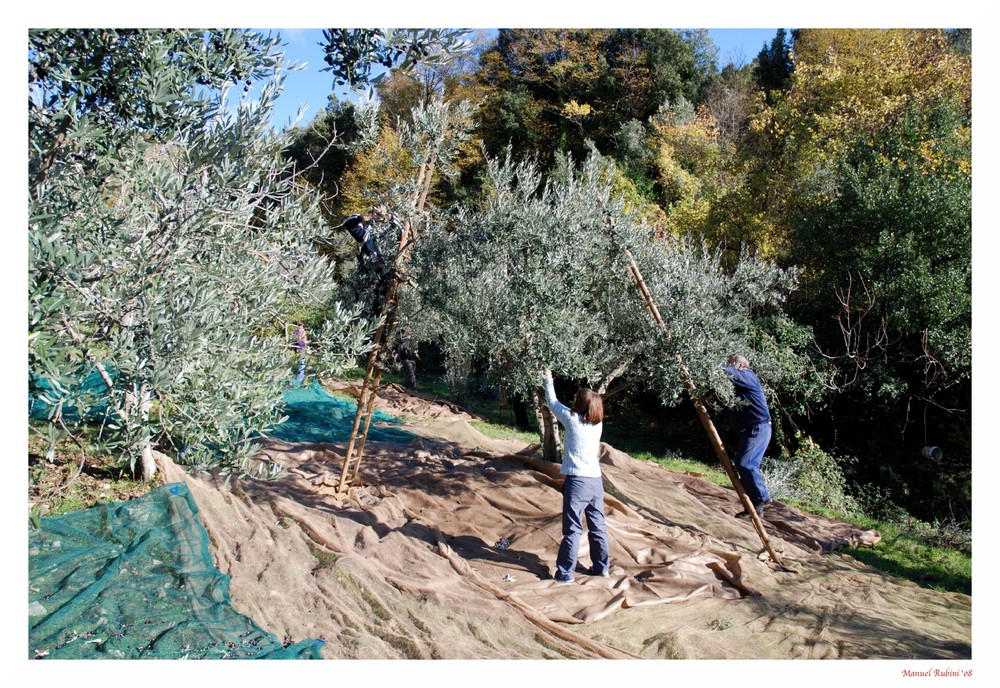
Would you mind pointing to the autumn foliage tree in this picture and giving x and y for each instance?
(552, 90)
(862, 169)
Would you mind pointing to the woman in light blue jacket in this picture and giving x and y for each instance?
(583, 489)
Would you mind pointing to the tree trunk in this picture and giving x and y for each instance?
(148, 465)
(548, 428)
(520, 412)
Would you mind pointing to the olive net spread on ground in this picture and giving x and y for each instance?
(448, 547)
(135, 580)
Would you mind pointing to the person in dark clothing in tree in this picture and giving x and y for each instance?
(751, 420)
(361, 228)
(372, 275)
(369, 272)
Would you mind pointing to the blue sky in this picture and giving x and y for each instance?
(312, 86)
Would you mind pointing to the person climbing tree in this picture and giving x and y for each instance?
(372, 274)
(360, 228)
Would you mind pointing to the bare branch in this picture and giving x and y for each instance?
(861, 343)
(610, 377)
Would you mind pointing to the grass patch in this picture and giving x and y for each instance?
(934, 557)
(664, 646)
(678, 464)
(496, 431)
(374, 604)
(544, 642)
(405, 646)
(478, 635)
(324, 558)
(418, 624)
(720, 624)
(918, 552)
(62, 478)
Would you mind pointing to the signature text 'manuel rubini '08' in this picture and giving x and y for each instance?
(938, 672)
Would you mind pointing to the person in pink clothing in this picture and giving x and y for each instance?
(301, 342)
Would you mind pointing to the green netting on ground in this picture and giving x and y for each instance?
(89, 392)
(313, 414)
(316, 416)
(135, 580)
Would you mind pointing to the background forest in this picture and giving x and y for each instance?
(811, 208)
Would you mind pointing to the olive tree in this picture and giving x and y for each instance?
(353, 54)
(537, 275)
(167, 239)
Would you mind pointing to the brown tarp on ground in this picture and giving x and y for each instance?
(447, 551)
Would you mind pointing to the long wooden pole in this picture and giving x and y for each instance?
(391, 300)
(706, 419)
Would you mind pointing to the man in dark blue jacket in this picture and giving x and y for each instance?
(752, 422)
(360, 227)
(372, 276)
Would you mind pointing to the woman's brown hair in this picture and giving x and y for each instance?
(589, 405)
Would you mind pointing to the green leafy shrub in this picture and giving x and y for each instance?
(811, 476)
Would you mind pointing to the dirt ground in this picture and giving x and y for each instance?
(446, 550)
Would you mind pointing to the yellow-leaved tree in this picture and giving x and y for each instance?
(849, 83)
(862, 168)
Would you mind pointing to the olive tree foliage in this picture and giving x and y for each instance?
(167, 240)
(537, 276)
(398, 167)
(389, 154)
(353, 54)
(509, 283)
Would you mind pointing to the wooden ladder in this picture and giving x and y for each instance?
(381, 340)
